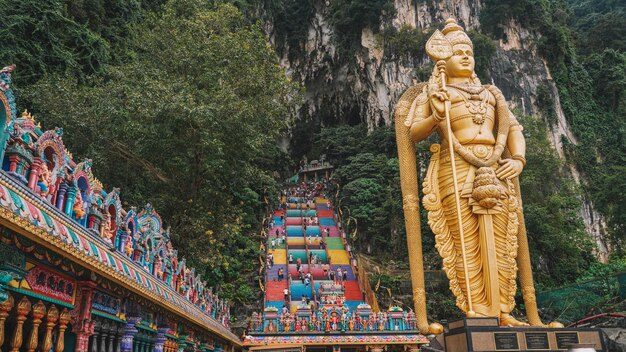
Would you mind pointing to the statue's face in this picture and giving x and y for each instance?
(461, 64)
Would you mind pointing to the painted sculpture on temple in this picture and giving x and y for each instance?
(471, 190)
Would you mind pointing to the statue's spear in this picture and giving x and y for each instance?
(439, 49)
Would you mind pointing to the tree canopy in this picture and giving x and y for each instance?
(188, 125)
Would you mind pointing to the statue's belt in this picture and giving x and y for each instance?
(481, 151)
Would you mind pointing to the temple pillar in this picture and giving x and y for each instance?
(94, 341)
(13, 160)
(84, 326)
(5, 308)
(123, 235)
(139, 345)
(118, 342)
(111, 340)
(167, 347)
(160, 340)
(182, 343)
(130, 330)
(91, 220)
(51, 322)
(104, 335)
(23, 308)
(35, 169)
(64, 319)
(61, 196)
(39, 311)
(70, 195)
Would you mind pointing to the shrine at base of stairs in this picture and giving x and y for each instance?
(316, 295)
(78, 272)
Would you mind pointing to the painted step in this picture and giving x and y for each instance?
(338, 257)
(280, 256)
(335, 243)
(294, 231)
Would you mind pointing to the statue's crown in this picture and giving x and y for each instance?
(455, 33)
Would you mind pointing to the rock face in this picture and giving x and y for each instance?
(364, 86)
(616, 339)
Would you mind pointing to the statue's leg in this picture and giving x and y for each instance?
(505, 227)
(506, 252)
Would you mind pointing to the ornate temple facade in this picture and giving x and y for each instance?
(80, 273)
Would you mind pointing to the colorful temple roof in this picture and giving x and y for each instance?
(58, 203)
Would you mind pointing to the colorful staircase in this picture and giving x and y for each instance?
(309, 232)
(320, 312)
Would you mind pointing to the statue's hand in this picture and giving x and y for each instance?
(509, 168)
(438, 100)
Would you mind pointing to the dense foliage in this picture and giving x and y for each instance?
(583, 42)
(188, 123)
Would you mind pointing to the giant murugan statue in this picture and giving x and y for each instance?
(471, 190)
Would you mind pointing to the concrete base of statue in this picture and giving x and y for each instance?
(486, 334)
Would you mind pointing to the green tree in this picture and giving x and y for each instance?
(560, 248)
(188, 125)
(41, 37)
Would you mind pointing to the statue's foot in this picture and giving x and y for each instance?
(507, 319)
(435, 328)
(556, 325)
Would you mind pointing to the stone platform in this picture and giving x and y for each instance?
(485, 334)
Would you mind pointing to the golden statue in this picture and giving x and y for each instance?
(471, 189)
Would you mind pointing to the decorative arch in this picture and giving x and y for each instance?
(112, 201)
(130, 222)
(51, 150)
(151, 221)
(113, 206)
(149, 225)
(83, 170)
(49, 143)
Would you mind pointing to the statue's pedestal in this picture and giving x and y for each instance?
(485, 334)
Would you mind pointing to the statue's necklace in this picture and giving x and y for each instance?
(476, 105)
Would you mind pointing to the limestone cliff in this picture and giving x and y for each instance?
(363, 86)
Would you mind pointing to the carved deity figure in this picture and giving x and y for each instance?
(105, 229)
(474, 185)
(79, 206)
(44, 180)
(128, 248)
